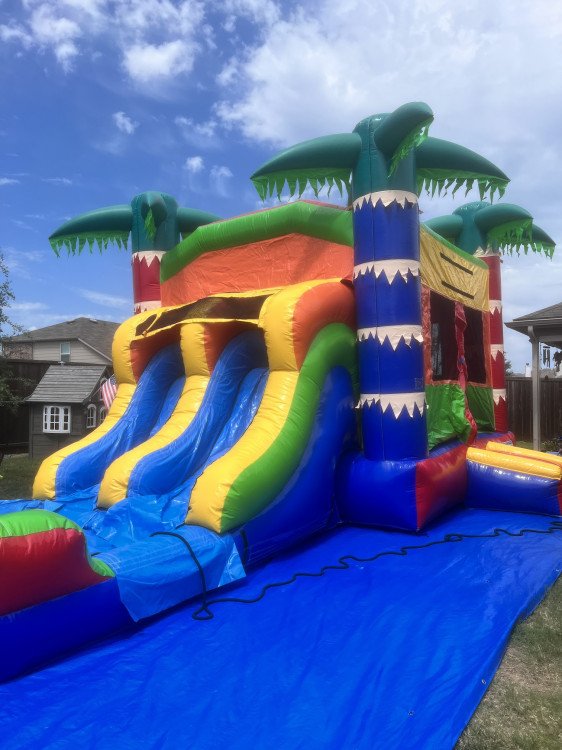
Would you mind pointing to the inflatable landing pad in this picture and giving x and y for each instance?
(394, 653)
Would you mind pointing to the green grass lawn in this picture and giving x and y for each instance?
(17, 474)
(522, 710)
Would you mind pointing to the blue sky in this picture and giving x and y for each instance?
(103, 99)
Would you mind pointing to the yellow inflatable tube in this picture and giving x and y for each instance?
(514, 450)
(516, 463)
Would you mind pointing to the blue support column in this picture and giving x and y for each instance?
(388, 298)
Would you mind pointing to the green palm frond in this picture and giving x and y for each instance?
(298, 180)
(324, 162)
(412, 141)
(442, 165)
(111, 225)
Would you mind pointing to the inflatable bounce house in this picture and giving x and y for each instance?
(285, 371)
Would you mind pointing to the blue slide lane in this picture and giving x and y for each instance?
(164, 469)
(135, 517)
(86, 467)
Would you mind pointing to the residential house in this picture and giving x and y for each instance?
(77, 343)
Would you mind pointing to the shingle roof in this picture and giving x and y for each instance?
(547, 313)
(96, 333)
(67, 384)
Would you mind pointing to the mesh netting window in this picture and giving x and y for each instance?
(474, 346)
(443, 341)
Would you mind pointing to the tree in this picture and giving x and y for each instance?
(155, 223)
(153, 220)
(385, 163)
(9, 398)
(508, 368)
(502, 228)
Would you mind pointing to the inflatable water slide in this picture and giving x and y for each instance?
(285, 371)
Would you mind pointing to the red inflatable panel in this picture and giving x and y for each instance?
(41, 566)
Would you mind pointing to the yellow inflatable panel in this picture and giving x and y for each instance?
(514, 463)
(514, 450)
(277, 319)
(452, 275)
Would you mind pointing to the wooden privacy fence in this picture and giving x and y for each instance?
(23, 376)
(520, 406)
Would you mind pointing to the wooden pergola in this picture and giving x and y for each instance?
(542, 327)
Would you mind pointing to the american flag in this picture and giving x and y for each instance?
(108, 391)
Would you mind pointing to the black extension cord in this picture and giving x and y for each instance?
(204, 613)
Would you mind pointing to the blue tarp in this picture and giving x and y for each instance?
(391, 654)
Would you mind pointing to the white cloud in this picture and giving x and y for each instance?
(106, 300)
(8, 181)
(66, 181)
(23, 225)
(154, 39)
(15, 33)
(58, 32)
(27, 306)
(124, 123)
(198, 134)
(19, 261)
(146, 63)
(261, 12)
(194, 164)
(219, 178)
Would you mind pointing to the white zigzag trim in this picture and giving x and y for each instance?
(499, 393)
(386, 197)
(394, 334)
(397, 402)
(496, 349)
(495, 304)
(390, 268)
(148, 256)
(487, 253)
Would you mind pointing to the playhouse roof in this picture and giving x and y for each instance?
(67, 384)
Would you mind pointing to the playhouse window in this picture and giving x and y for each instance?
(56, 419)
(443, 340)
(474, 346)
(103, 413)
(91, 414)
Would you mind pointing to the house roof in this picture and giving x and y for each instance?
(546, 324)
(64, 384)
(97, 334)
(546, 313)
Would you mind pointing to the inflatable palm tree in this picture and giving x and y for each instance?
(384, 163)
(485, 230)
(154, 222)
